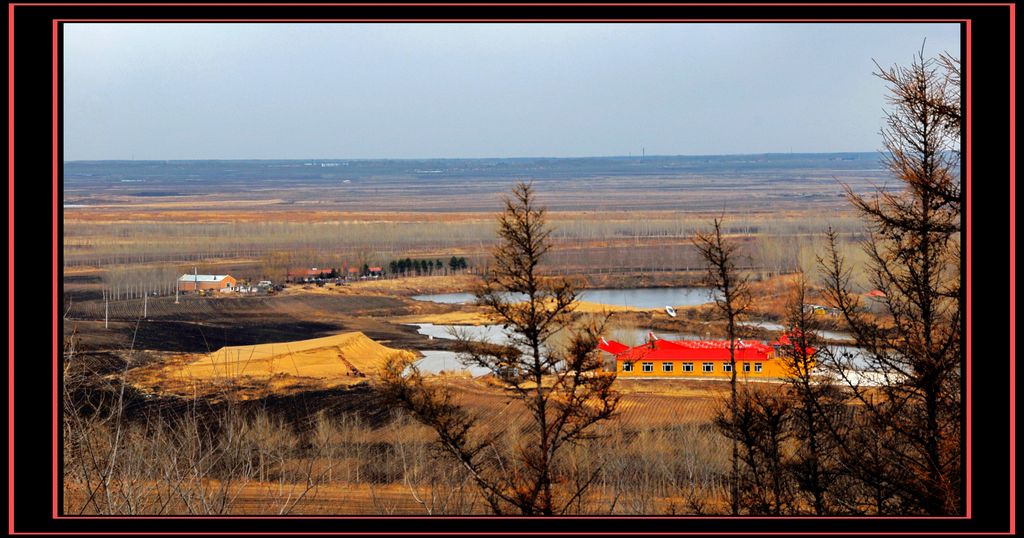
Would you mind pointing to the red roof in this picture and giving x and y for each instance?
(693, 350)
(612, 346)
(784, 340)
(875, 293)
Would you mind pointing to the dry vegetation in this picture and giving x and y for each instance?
(296, 457)
(192, 458)
(291, 456)
(135, 245)
(260, 465)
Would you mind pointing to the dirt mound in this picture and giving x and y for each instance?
(258, 370)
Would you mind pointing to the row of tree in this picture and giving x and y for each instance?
(409, 267)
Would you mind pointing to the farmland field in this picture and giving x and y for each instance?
(133, 345)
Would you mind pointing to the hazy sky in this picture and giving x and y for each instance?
(302, 91)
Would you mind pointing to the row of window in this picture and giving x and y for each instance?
(688, 367)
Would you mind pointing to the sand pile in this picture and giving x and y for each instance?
(331, 361)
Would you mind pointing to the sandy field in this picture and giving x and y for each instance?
(340, 360)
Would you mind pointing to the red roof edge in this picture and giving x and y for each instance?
(611, 346)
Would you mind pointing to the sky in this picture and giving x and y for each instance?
(414, 91)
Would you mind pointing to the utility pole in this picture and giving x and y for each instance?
(106, 311)
(145, 304)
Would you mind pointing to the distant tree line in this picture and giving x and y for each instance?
(410, 267)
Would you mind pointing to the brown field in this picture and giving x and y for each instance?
(313, 436)
(350, 467)
(416, 285)
(320, 363)
(367, 470)
(264, 242)
(269, 498)
(355, 467)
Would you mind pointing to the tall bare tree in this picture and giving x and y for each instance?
(760, 425)
(914, 253)
(732, 301)
(564, 390)
(922, 130)
(818, 407)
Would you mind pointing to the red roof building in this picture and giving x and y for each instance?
(704, 350)
(697, 357)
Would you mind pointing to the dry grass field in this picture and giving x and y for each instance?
(278, 391)
(340, 464)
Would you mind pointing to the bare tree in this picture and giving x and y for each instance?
(818, 405)
(922, 131)
(564, 390)
(759, 427)
(914, 253)
(732, 301)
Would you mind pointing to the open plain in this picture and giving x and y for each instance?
(288, 376)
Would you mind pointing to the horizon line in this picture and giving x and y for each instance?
(628, 156)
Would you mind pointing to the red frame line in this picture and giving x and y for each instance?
(967, 216)
(460, 21)
(463, 533)
(449, 4)
(1013, 256)
(10, 265)
(56, 168)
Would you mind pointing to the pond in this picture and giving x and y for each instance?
(633, 297)
(635, 337)
(628, 336)
(435, 361)
(495, 334)
(491, 333)
(856, 357)
(772, 326)
(447, 298)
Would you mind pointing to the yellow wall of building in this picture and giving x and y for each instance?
(769, 368)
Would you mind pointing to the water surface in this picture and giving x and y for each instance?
(436, 361)
(772, 326)
(632, 297)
